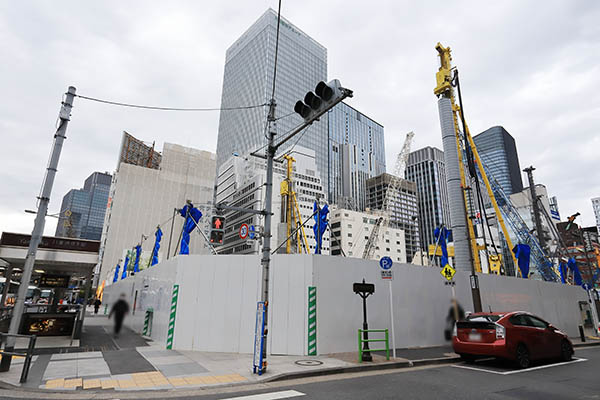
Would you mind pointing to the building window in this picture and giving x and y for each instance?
(349, 234)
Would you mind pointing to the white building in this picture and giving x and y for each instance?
(523, 204)
(596, 206)
(351, 232)
(143, 197)
(241, 184)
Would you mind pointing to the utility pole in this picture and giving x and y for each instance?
(38, 227)
(536, 209)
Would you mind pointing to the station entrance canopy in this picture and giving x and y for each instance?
(58, 255)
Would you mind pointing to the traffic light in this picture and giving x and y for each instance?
(324, 97)
(217, 230)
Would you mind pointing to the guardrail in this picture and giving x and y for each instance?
(361, 341)
(28, 354)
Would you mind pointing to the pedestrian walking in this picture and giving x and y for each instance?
(119, 310)
(455, 313)
(97, 304)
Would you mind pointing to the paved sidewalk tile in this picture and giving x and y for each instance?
(91, 384)
(108, 383)
(55, 383)
(73, 382)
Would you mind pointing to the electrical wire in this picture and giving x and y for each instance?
(116, 103)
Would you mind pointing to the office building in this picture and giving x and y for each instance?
(145, 196)
(596, 207)
(583, 245)
(356, 153)
(351, 231)
(498, 152)
(248, 80)
(82, 210)
(241, 184)
(522, 202)
(425, 167)
(403, 207)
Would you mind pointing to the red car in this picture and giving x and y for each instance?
(517, 336)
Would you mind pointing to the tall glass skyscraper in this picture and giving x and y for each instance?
(248, 80)
(356, 153)
(498, 151)
(426, 168)
(82, 210)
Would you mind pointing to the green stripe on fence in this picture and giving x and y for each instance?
(312, 321)
(171, 330)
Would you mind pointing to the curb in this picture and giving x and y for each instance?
(362, 368)
(586, 344)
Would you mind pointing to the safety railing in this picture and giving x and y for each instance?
(361, 341)
(28, 354)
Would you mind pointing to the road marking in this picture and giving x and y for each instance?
(518, 371)
(286, 394)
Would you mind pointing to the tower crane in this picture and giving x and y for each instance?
(394, 186)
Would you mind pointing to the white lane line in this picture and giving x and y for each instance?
(518, 371)
(286, 394)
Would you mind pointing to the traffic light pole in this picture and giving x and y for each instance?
(38, 227)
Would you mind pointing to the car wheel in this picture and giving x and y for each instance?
(566, 351)
(522, 357)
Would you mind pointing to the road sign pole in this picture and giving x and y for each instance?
(392, 319)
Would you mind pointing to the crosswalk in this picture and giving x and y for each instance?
(286, 394)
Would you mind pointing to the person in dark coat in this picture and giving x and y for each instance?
(456, 313)
(97, 304)
(119, 309)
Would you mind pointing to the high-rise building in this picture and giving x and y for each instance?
(425, 167)
(82, 210)
(145, 196)
(351, 231)
(403, 208)
(241, 184)
(596, 207)
(356, 153)
(498, 152)
(248, 81)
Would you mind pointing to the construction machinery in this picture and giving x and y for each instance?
(393, 188)
(466, 173)
(292, 216)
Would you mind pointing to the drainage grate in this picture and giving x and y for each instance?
(308, 363)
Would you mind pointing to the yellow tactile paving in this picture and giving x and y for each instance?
(73, 382)
(211, 380)
(177, 381)
(55, 383)
(91, 383)
(160, 381)
(109, 384)
(237, 378)
(194, 380)
(126, 383)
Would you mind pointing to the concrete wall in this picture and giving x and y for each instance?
(218, 295)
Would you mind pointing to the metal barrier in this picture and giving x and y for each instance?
(361, 341)
(28, 354)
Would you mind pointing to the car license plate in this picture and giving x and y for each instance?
(475, 337)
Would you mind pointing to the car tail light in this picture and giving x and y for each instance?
(454, 330)
(500, 332)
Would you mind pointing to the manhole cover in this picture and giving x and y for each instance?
(309, 363)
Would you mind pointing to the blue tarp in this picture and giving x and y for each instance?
(192, 216)
(158, 236)
(125, 266)
(562, 268)
(116, 277)
(320, 222)
(136, 264)
(442, 235)
(572, 264)
(523, 253)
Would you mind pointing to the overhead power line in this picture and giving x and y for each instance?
(116, 103)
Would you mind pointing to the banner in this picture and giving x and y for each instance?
(320, 225)
(192, 216)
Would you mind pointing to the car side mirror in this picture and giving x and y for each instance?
(552, 327)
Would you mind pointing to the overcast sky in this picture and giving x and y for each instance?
(530, 66)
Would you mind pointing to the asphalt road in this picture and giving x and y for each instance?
(482, 380)
(579, 379)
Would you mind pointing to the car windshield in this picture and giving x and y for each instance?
(484, 318)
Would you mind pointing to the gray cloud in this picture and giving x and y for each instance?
(533, 69)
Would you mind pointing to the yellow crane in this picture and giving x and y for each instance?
(444, 85)
(291, 210)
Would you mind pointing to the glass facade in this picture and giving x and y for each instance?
(426, 168)
(498, 152)
(356, 153)
(248, 80)
(82, 210)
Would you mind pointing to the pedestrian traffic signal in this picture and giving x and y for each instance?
(324, 97)
(218, 223)
(216, 237)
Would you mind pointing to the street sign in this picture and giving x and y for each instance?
(585, 286)
(387, 274)
(448, 272)
(252, 232)
(259, 339)
(243, 231)
(385, 263)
